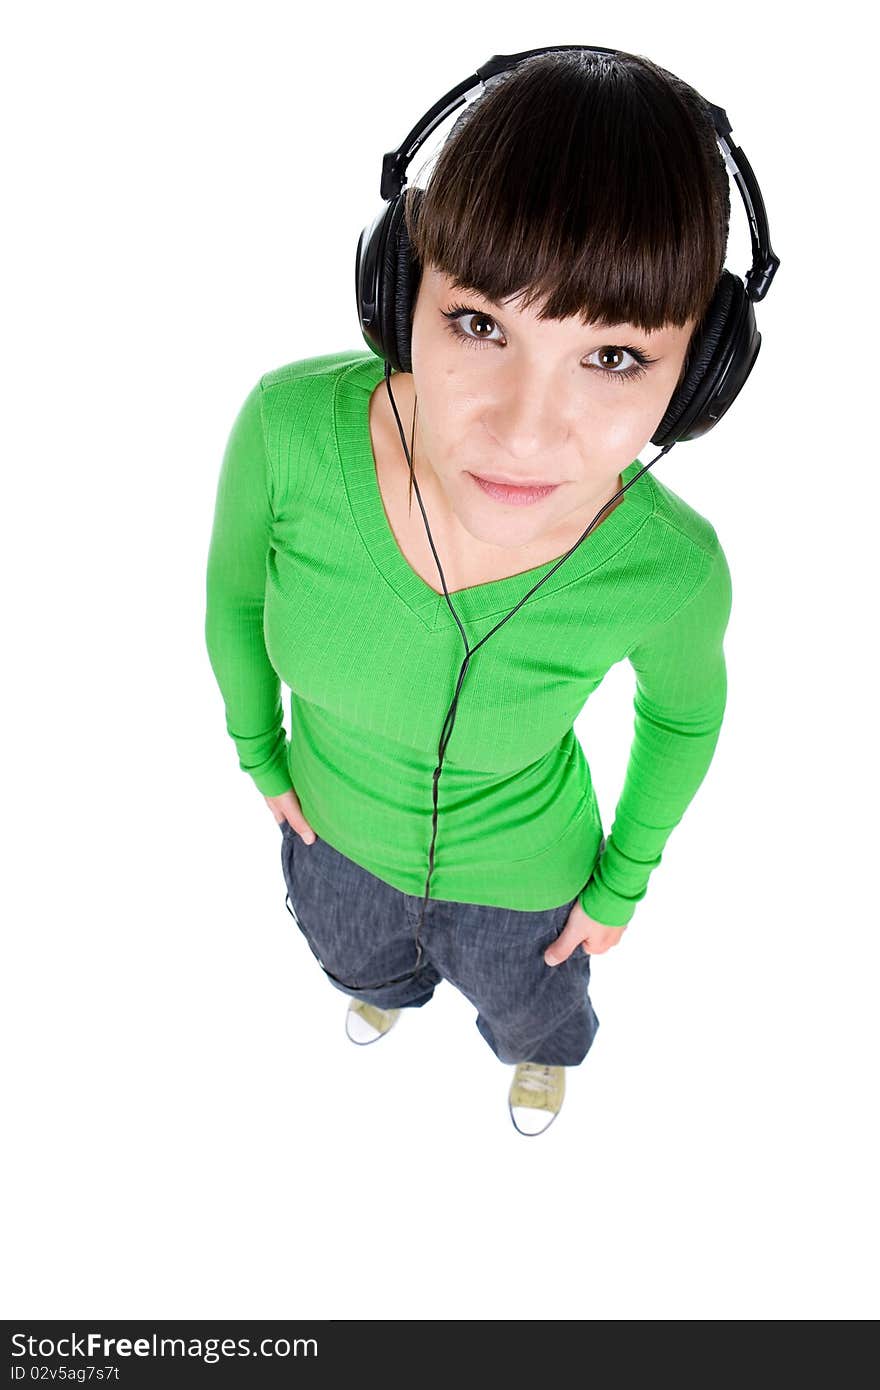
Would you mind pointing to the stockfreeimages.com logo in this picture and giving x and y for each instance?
(94, 1346)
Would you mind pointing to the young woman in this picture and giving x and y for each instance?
(568, 243)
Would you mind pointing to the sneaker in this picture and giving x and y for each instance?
(365, 1023)
(536, 1095)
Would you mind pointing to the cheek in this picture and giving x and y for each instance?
(619, 434)
(434, 352)
(445, 418)
(615, 416)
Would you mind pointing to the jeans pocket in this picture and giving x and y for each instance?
(578, 956)
(292, 897)
(327, 863)
(288, 838)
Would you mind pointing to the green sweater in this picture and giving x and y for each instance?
(306, 585)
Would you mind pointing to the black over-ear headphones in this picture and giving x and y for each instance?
(725, 344)
(722, 352)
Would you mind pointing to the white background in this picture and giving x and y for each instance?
(190, 1133)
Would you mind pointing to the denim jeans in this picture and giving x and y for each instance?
(362, 930)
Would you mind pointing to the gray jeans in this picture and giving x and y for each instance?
(362, 931)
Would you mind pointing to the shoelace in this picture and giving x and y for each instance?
(537, 1079)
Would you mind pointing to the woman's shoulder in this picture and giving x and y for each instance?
(297, 411)
(679, 524)
(298, 397)
(314, 372)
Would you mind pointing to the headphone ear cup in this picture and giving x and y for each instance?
(389, 282)
(369, 279)
(387, 278)
(720, 358)
(407, 277)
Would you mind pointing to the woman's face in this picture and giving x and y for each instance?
(520, 401)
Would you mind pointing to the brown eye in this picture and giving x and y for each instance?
(611, 352)
(612, 355)
(470, 336)
(482, 319)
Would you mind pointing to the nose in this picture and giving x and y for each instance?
(528, 423)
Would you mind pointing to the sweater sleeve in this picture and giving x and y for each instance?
(235, 595)
(681, 693)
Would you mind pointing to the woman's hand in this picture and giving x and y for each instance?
(286, 807)
(582, 933)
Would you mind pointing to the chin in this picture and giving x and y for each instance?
(509, 536)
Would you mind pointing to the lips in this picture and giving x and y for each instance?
(515, 494)
(512, 482)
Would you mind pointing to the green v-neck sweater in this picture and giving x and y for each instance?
(306, 585)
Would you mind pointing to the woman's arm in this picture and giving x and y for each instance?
(681, 692)
(235, 591)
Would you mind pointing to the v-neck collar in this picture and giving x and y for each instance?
(353, 388)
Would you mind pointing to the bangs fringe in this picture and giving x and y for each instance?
(590, 185)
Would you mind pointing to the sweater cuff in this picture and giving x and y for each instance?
(603, 903)
(606, 907)
(273, 777)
